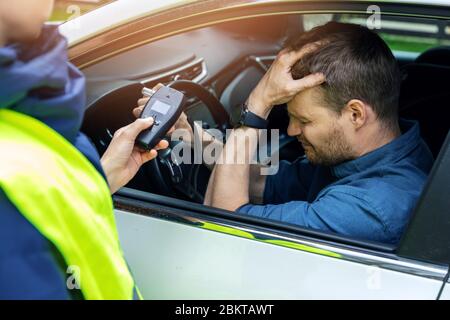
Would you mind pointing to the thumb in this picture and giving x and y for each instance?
(134, 129)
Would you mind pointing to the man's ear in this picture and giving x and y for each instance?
(357, 113)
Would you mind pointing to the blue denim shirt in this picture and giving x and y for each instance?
(368, 198)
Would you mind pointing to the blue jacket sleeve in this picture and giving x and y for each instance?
(28, 268)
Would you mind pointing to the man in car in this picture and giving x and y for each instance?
(363, 169)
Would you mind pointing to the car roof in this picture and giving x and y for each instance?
(121, 12)
(112, 15)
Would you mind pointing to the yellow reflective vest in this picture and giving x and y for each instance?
(62, 194)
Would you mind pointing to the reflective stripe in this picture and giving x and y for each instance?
(61, 193)
(282, 243)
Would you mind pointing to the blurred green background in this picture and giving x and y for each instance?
(411, 43)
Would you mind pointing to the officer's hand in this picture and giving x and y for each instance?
(123, 159)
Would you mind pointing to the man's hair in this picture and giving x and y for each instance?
(357, 64)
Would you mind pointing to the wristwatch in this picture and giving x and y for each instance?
(249, 119)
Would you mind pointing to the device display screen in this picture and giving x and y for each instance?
(160, 107)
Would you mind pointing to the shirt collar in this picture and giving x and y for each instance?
(391, 152)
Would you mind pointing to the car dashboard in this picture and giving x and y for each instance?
(227, 59)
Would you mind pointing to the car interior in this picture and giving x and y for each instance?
(218, 66)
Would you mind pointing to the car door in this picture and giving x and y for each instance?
(181, 254)
(445, 294)
(181, 250)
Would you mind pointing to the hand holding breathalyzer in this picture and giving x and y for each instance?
(165, 107)
(137, 143)
(181, 123)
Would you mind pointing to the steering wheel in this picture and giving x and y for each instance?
(166, 175)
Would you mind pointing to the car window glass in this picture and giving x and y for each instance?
(406, 34)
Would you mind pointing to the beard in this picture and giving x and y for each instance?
(334, 149)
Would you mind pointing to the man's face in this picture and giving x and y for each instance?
(319, 129)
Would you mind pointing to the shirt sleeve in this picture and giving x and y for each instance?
(291, 182)
(335, 211)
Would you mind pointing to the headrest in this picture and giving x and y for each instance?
(438, 55)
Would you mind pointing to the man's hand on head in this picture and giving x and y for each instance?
(278, 86)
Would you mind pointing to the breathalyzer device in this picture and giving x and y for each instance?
(165, 107)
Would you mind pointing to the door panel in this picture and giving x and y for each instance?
(175, 261)
(446, 292)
